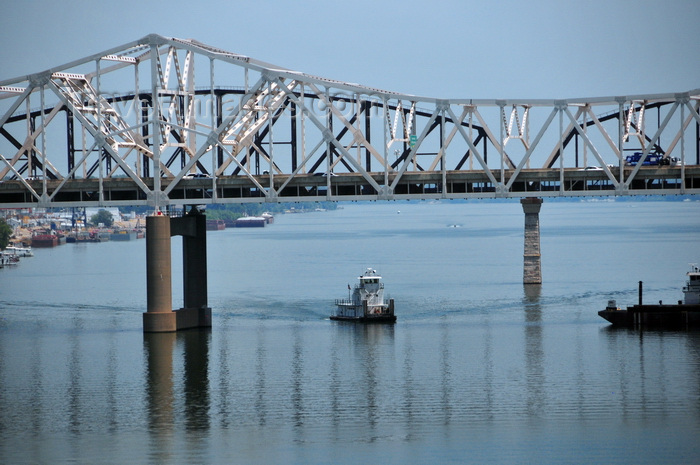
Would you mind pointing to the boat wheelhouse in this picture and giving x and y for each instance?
(691, 290)
(366, 303)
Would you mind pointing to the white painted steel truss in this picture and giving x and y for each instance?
(134, 125)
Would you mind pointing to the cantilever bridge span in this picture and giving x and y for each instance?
(164, 122)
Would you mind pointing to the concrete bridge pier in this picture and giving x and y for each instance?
(159, 316)
(532, 267)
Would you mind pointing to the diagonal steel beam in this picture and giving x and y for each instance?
(99, 137)
(556, 152)
(693, 115)
(329, 137)
(531, 149)
(475, 151)
(590, 145)
(493, 138)
(358, 136)
(663, 125)
(412, 153)
(213, 140)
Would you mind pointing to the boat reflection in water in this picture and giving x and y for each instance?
(366, 304)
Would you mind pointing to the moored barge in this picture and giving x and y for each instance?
(44, 240)
(686, 313)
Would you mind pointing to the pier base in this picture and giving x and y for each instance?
(159, 316)
(532, 267)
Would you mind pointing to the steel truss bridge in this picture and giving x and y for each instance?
(166, 122)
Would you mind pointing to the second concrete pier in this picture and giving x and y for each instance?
(532, 267)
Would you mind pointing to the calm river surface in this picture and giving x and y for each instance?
(478, 369)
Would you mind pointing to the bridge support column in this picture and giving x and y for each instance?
(193, 229)
(532, 267)
(195, 313)
(159, 316)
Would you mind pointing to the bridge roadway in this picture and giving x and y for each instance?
(462, 184)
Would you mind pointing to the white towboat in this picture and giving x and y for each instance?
(366, 304)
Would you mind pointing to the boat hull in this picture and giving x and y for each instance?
(122, 236)
(681, 315)
(44, 240)
(365, 314)
(366, 319)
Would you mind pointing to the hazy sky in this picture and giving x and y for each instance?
(443, 49)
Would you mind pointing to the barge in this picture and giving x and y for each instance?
(44, 240)
(216, 225)
(685, 313)
(366, 303)
(250, 222)
(122, 235)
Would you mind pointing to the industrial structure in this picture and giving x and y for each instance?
(170, 122)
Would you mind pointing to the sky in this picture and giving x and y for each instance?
(444, 49)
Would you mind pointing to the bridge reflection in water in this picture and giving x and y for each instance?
(160, 348)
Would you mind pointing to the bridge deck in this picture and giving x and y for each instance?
(569, 182)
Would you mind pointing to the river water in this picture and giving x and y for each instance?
(478, 368)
